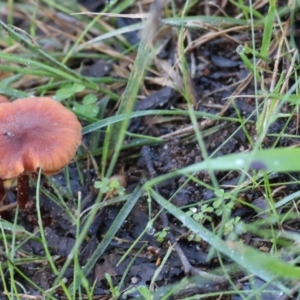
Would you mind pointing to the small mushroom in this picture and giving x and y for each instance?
(35, 133)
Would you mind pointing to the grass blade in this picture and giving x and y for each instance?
(122, 215)
(35, 48)
(258, 263)
(144, 56)
(268, 29)
(277, 160)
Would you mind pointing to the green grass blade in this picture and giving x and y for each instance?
(263, 265)
(268, 29)
(176, 22)
(122, 215)
(113, 33)
(121, 117)
(52, 71)
(5, 90)
(246, 9)
(277, 160)
(144, 56)
(247, 62)
(35, 48)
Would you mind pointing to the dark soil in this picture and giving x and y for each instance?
(218, 71)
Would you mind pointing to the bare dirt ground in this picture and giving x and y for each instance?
(216, 71)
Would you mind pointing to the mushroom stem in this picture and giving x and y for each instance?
(2, 192)
(22, 190)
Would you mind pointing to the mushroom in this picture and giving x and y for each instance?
(3, 99)
(35, 133)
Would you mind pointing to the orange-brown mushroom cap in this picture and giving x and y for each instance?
(3, 99)
(36, 133)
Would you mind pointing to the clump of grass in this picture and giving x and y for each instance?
(25, 59)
